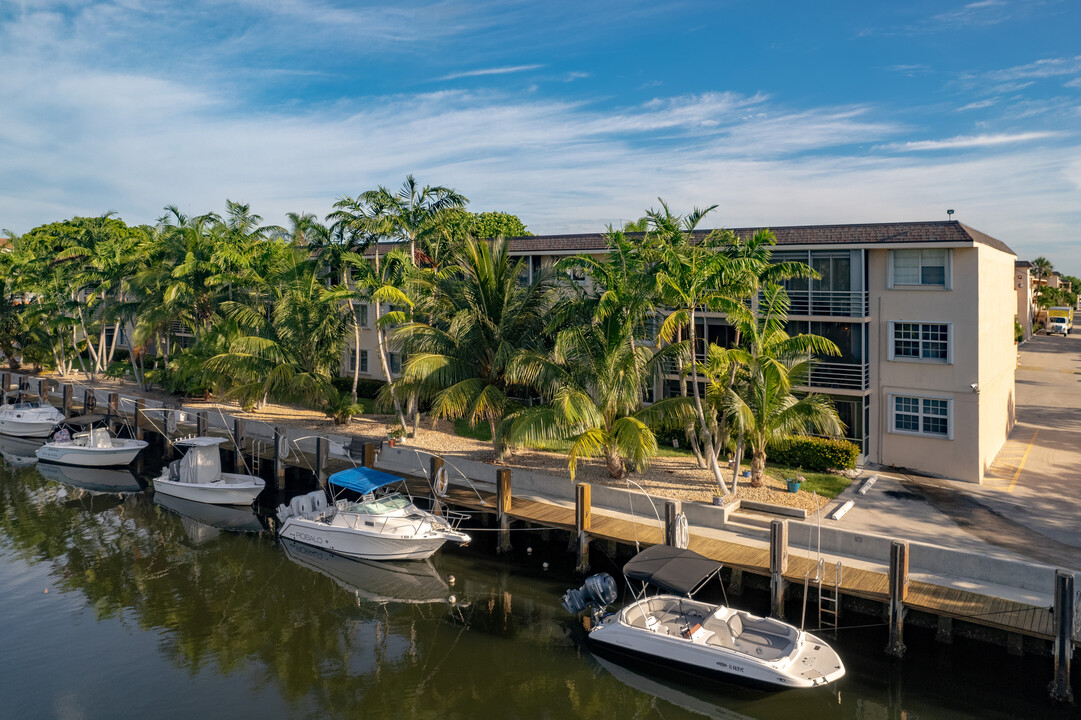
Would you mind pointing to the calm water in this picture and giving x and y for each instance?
(115, 607)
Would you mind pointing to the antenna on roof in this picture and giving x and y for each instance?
(949, 214)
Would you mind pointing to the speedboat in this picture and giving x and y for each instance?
(95, 480)
(29, 419)
(387, 526)
(93, 448)
(672, 630)
(197, 476)
(414, 583)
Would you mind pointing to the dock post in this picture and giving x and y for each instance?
(672, 509)
(369, 455)
(114, 410)
(944, 629)
(90, 401)
(238, 444)
(5, 380)
(502, 510)
(735, 583)
(435, 464)
(898, 586)
(202, 423)
(322, 451)
(279, 461)
(778, 566)
(140, 406)
(65, 399)
(1064, 621)
(43, 390)
(583, 523)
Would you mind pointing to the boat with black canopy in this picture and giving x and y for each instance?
(382, 525)
(671, 629)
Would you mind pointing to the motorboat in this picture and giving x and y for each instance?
(95, 447)
(376, 581)
(197, 476)
(220, 517)
(96, 480)
(29, 419)
(380, 526)
(19, 452)
(672, 630)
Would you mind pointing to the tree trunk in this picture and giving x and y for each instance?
(614, 463)
(688, 429)
(707, 438)
(497, 444)
(758, 467)
(356, 351)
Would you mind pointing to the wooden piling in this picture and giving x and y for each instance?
(735, 583)
(583, 523)
(140, 418)
(5, 380)
(67, 394)
(369, 455)
(898, 589)
(672, 509)
(322, 452)
(502, 512)
(279, 461)
(1065, 609)
(43, 390)
(114, 410)
(778, 565)
(202, 423)
(238, 445)
(944, 630)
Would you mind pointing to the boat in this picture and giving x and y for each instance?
(385, 526)
(96, 480)
(29, 419)
(95, 447)
(197, 476)
(672, 630)
(230, 518)
(19, 452)
(376, 581)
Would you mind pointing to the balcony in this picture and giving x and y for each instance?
(842, 376)
(829, 303)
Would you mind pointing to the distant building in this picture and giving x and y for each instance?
(1023, 283)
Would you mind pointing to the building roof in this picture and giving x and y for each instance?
(1022, 264)
(937, 231)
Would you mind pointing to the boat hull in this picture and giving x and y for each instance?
(219, 493)
(358, 544)
(19, 428)
(70, 454)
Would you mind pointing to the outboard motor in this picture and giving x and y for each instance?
(598, 590)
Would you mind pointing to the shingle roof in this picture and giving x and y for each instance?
(944, 231)
(1022, 264)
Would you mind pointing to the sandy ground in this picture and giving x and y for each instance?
(675, 477)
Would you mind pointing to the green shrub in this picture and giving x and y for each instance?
(815, 454)
(366, 387)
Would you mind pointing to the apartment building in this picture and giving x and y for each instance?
(1023, 284)
(923, 316)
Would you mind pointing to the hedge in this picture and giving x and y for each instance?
(814, 454)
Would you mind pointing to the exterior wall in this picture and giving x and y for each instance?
(1022, 282)
(997, 353)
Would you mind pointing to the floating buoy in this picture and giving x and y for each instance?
(545, 566)
(529, 551)
(452, 599)
(46, 591)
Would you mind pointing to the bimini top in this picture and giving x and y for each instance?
(362, 479)
(682, 572)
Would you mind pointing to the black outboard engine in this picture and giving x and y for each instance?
(598, 590)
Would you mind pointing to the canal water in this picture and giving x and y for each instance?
(114, 606)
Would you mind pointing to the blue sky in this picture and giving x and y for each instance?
(571, 115)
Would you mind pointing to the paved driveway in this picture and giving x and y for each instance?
(1036, 478)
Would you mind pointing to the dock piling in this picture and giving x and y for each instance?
(502, 511)
(435, 464)
(238, 443)
(898, 588)
(583, 523)
(66, 396)
(1065, 608)
(43, 390)
(369, 455)
(672, 510)
(279, 461)
(5, 380)
(202, 423)
(778, 565)
(114, 410)
(322, 451)
(140, 408)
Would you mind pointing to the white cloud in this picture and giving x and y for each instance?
(978, 105)
(491, 71)
(962, 142)
(1045, 68)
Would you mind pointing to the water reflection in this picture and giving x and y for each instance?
(19, 452)
(232, 518)
(102, 480)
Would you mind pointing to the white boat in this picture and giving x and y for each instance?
(197, 476)
(95, 480)
(93, 448)
(385, 527)
(672, 630)
(29, 419)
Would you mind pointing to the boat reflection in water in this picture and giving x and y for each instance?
(683, 698)
(97, 480)
(378, 581)
(19, 452)
(203, 522)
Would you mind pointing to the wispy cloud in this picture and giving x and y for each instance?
(978, 105)
(1045, 68)
(962, 142)
(491, 71)
(984, 12)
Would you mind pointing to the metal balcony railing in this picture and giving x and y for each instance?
(846, 376)
(831, 303)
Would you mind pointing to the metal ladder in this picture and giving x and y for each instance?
(257, 456)
(829, 599)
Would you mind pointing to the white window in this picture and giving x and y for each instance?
(920, 268)
(928, 342)
(921, 416)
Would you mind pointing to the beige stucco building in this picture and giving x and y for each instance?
(923, 314)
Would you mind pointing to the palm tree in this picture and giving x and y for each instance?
(481, 317)
(412, 214)
(771, 363)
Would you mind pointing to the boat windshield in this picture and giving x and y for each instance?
(380, 506)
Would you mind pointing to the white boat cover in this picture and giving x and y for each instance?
(100, 438)
(201, 464)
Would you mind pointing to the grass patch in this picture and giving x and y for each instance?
(827, 485)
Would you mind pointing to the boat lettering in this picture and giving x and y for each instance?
(732, 668)
(309, 538)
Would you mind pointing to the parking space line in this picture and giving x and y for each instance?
(1021, 465)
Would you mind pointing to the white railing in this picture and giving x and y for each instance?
(831, 303)
(847, 376)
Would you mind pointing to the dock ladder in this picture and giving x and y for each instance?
(829, 598)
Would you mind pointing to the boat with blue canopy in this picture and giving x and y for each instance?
(383, 525)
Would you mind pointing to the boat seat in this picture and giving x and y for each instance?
(766, 639)
(722, 634)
